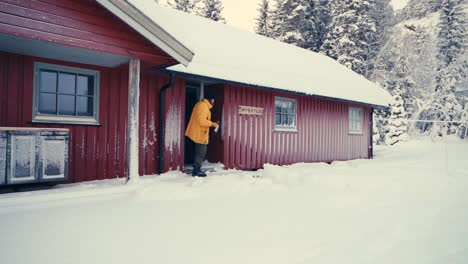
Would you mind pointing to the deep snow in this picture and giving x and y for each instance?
(408, 205)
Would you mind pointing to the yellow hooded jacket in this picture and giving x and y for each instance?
(200, 123)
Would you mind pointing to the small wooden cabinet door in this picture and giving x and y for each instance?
(53, 158)
(22, 159)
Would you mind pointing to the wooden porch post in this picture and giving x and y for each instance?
(133, 107)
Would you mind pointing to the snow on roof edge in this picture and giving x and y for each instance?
(195, 76)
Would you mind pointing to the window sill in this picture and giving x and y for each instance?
(356, 133)
(287, 130)
(78, 121)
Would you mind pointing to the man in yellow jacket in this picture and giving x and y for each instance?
(198, 131)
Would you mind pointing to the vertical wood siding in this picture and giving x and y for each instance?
(174, 103)
(97, 153)
(322, 131)
(78, 23)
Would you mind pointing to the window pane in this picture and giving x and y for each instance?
(85, 85)
(284, 120)
(84, 106)
(48, 81)
(292, 119)
(277, 106)
(66, 105)
(47, 103)
(66, 83)
(292, 109)
(278, 119)
(289, 120)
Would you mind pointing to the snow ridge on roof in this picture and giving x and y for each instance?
(231, 54)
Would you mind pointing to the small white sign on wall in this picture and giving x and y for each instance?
(250, 110)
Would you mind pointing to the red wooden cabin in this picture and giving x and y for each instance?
(88, 65)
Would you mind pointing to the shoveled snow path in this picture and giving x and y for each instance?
(406, 206)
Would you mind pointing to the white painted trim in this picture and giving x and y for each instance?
(133, 118)
(149, 29)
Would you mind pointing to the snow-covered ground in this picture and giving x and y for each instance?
(408, 205)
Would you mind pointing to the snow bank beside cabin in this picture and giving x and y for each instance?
(226, 53)
(408, 205)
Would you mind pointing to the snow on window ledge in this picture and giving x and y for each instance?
(71, 120)
(286, 129)
(355, 132)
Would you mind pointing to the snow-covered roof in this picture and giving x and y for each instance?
(226, 53)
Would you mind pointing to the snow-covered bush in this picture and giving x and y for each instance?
(397, 123)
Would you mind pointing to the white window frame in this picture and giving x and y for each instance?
(65, 119)
(286, 128)
(355, 118)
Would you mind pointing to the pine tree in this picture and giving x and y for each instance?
(351, 31)
(277, 19)
(212, 9)
(444, 104)
(383, 16)
(397, 123)
(308, 27)
(452, 32)
(263, 22)
(323, 20)
(289, 17)
(184, 5)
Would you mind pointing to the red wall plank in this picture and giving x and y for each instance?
(95, 152)
(322, 131)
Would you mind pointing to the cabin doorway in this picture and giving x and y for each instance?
(192, 95)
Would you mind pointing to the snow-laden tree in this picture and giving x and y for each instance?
(351, 31)
(276, 18)
(263, 24)
(463, 128)
(375, 131)
(287, 21)
(418, 9)
(308, 26)
(452, 32)
(408, 60)
(444, 105)
(383, 15)
(212, 9)
(397, 123)
(322, 21)
(188, 6)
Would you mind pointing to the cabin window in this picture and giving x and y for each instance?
(285, 113)
(355, 120)
(65, 95)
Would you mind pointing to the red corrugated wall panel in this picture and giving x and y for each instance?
(322, 131)
(95, 152)
(100, 152)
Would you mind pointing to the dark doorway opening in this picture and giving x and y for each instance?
(191, 98)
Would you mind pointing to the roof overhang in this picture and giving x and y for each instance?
(223, 81)
(149, 29)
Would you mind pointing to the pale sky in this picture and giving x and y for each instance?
(242, 13)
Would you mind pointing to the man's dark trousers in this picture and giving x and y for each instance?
(200, 153)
